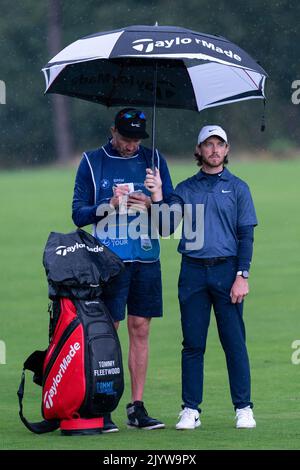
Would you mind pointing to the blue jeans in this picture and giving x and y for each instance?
(200, 288)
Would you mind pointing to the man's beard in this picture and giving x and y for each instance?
(210, 163)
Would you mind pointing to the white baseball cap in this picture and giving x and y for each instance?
(209, 131)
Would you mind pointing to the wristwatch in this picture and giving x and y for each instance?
(244, 274)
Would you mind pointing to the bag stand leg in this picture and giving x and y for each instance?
(81, 426)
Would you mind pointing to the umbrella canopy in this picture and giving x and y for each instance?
(155, 66)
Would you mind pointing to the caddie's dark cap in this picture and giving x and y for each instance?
(131, 123)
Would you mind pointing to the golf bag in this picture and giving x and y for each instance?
(81, 371)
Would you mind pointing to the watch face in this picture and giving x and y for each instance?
(245, 274)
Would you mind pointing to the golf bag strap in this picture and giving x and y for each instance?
(38, 428)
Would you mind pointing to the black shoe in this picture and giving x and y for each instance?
(138, 417)
(109, 425)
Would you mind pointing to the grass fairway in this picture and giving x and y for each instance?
(33, 203)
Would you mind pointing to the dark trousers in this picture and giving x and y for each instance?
(199, 288)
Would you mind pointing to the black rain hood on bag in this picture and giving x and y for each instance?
(77, 265)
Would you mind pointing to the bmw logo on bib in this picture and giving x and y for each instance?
(104, 184)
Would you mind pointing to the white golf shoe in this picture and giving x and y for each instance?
(189, 419)
(244, 418)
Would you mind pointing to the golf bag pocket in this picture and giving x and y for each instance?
(106, 372)
(104, 369)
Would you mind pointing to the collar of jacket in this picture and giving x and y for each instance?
(225, 175)
(113, 153)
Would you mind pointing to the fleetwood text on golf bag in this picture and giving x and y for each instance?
(81, 372)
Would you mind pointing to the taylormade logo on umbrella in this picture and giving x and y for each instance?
(148, 45)
(63, 250)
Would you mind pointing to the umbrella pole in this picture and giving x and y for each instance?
(154, 115)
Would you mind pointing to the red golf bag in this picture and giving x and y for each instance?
(81, 372)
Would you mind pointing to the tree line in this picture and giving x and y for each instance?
(37, 128)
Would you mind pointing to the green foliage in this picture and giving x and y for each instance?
(267, 30)
(281, 148)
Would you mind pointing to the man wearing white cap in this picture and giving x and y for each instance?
(214, 274)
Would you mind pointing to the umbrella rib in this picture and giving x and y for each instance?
(251, 78)
(234, 71)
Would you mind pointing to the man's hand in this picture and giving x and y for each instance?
(239, 290)
(154, 184)
(119, 191)
(138, 201)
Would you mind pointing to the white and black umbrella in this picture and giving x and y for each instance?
(162, 66)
